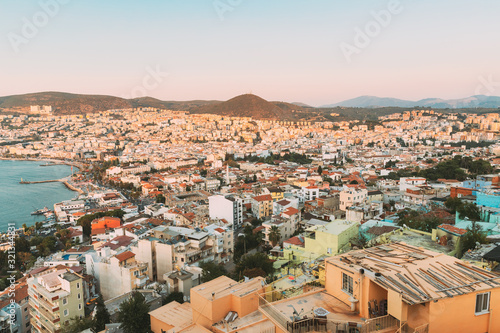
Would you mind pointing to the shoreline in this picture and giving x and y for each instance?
(78, 165)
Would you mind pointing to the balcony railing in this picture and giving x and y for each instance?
(380, 323)
(319, 324)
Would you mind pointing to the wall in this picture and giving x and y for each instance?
(443, 314)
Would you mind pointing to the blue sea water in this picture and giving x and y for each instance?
(17, 201)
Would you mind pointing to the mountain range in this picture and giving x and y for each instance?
(248, 105)
(477, 101)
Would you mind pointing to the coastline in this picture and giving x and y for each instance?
(56, 162)
(53, 160)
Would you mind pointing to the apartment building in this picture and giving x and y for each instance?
(352, 195)
(227, 207)
(116, 274)
(55, 296)
(262, 206)
(14, 309)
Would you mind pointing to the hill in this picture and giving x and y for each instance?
(477, 101)
(249, 105)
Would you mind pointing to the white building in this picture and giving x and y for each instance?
(407, 182)
(228, 207)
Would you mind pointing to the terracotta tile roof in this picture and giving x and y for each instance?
(124, 256)
(265, 197)
(452, 229)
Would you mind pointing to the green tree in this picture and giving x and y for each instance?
(134, 314)
(473, 236)
(160, 198)
(274, 235)
(77, 324)
(320, 170)
(257, 260)
(469, 210)
(102, 316)
(453, 204)
(176, 296)
(211, 270)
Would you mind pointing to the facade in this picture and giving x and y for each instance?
(350, 196)
(262, 206)
(431, 293)
(408, 182)
(14, 309)
(331, 238)
(55, 296)
(116, 274)
(229, 208)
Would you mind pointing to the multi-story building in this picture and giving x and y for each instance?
(116, 274)
(14, 306)
(227, 207)
(55, 296)
(262, 206)
(352, 195)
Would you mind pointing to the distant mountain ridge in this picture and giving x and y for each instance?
(477, 101)
(247, 105)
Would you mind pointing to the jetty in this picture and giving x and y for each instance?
(41, 181)
(62, 180)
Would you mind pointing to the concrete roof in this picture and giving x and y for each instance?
(175, 314)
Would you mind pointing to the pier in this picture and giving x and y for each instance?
(41, 181)
(62, 180)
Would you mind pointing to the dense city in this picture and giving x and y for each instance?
(205, 223)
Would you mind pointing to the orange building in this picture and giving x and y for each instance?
(423, 290)
(459, 191)
(391, 288)
(106, 222)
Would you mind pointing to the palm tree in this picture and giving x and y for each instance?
(274, 235)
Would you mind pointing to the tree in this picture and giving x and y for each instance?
(160, 198)
(176, 296)
(320, 170)
(473, 236)
(257, 260)
(211, 270)
(453, 204)
(134, 314)
(469, 210)
(274, 235)
(102, 316)
(77, 324)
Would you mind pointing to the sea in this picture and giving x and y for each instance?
(18, 201)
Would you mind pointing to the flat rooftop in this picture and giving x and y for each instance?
(223, 286)
(306, 304)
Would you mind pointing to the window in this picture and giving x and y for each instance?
(482, 303)
(79, 306)
(78, 285)
(66, 312)
(65, 301)
(347, 283)
(79, 296)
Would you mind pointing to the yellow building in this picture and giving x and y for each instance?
(55, 296)
(331, 238)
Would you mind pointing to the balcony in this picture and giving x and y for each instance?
(295, 311)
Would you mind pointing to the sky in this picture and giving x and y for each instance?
(312, 51)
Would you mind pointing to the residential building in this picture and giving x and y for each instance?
(55, 296)
(116, 274)
(227, 207)
(262, 206)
